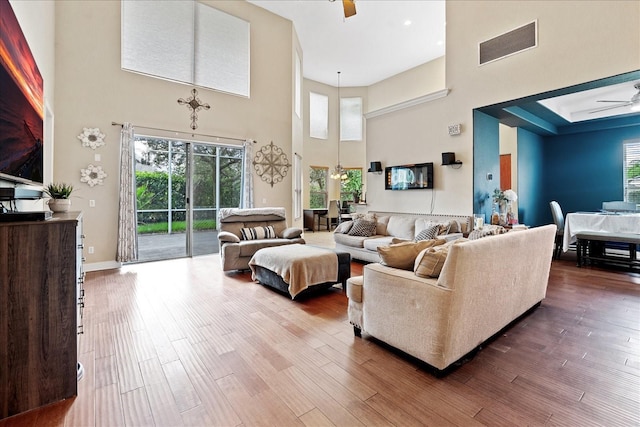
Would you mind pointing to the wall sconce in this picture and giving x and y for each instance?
(376, 167)
(449, 159)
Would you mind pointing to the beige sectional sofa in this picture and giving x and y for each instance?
(484, 285)
(390, 225)
(237, 248)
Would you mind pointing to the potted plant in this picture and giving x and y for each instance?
(357, 193)
(59, 194)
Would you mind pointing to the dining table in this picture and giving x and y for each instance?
(608, 222)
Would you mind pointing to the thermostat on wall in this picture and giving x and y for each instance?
(455, 129)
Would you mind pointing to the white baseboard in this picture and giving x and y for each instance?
(106, 265)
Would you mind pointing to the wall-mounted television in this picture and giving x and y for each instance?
(409, 177)
(21, 105)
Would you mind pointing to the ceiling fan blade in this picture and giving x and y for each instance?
(624, 104)
(607, 100)
(349, 8)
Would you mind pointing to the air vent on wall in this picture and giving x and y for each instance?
(514, 41)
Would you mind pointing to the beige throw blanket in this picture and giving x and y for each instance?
(300, 266)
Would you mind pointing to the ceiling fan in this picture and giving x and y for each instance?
(634, 102)
(349, 7)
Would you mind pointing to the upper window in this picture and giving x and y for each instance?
(350, 119)
(186, 41)
(632, 171)
(318, 116)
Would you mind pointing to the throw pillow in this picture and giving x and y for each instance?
(429, 261)
(428, 233)
(370, 216)
(255, 233)
(403, 255)
(344, 227)
(362, 228)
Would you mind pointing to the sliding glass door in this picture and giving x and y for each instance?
(179, 188)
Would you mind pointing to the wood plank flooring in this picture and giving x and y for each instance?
(179, 343)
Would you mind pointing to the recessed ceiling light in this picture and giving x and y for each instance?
(407, 22)
(440, 43)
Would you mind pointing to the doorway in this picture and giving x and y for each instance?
(180, 186)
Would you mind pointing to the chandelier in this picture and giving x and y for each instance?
(339, 172)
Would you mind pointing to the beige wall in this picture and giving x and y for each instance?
(92, 91)
(418, 81)
(578, 42)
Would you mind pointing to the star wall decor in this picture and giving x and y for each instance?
(194, 104)
(271, 164)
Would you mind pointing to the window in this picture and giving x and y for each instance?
(351, 185)
(318, 187)
(298, 86)
(632, 171)
(318, 115)
(188, 42)
(297, 186)
(350, 119)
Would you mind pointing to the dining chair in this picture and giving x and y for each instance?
(333, 213)
(558, 219)
(619, 206)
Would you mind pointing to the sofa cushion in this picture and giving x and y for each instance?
(250, 247)
(257, 233)
(290, 233)
(403, 227)
(370, 216)
(403, 255)
(428, 233)
(374, 243)
(381, 225)
(362, 227)
(348, 240)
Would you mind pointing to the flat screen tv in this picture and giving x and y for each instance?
(21, 104)
(409, 177)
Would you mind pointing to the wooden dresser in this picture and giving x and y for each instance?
(41, 298)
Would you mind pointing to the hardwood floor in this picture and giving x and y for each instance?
(180, 343)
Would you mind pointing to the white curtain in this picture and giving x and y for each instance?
(127, 235)
(247, 183)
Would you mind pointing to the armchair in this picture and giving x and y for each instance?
(241, 232)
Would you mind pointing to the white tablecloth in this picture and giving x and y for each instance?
(576, 223)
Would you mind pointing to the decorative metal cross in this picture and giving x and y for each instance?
(194, 104)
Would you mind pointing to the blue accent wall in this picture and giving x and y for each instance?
(582, 170)
(532, 200)
(486, 159)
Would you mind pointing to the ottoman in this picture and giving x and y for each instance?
(299, 270)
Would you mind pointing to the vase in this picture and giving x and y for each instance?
(495, 216)
(59, 205)
(503, 214)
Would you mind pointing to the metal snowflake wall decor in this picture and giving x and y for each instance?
(271, 164)
(194, 104)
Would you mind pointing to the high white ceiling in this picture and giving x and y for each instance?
(371, 46)
(376, 44)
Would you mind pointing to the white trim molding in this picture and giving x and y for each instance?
(406, 104)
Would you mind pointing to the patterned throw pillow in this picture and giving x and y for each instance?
(362, 228)
(428, 233)
(256, 233)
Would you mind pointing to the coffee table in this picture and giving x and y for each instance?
(283, 268)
